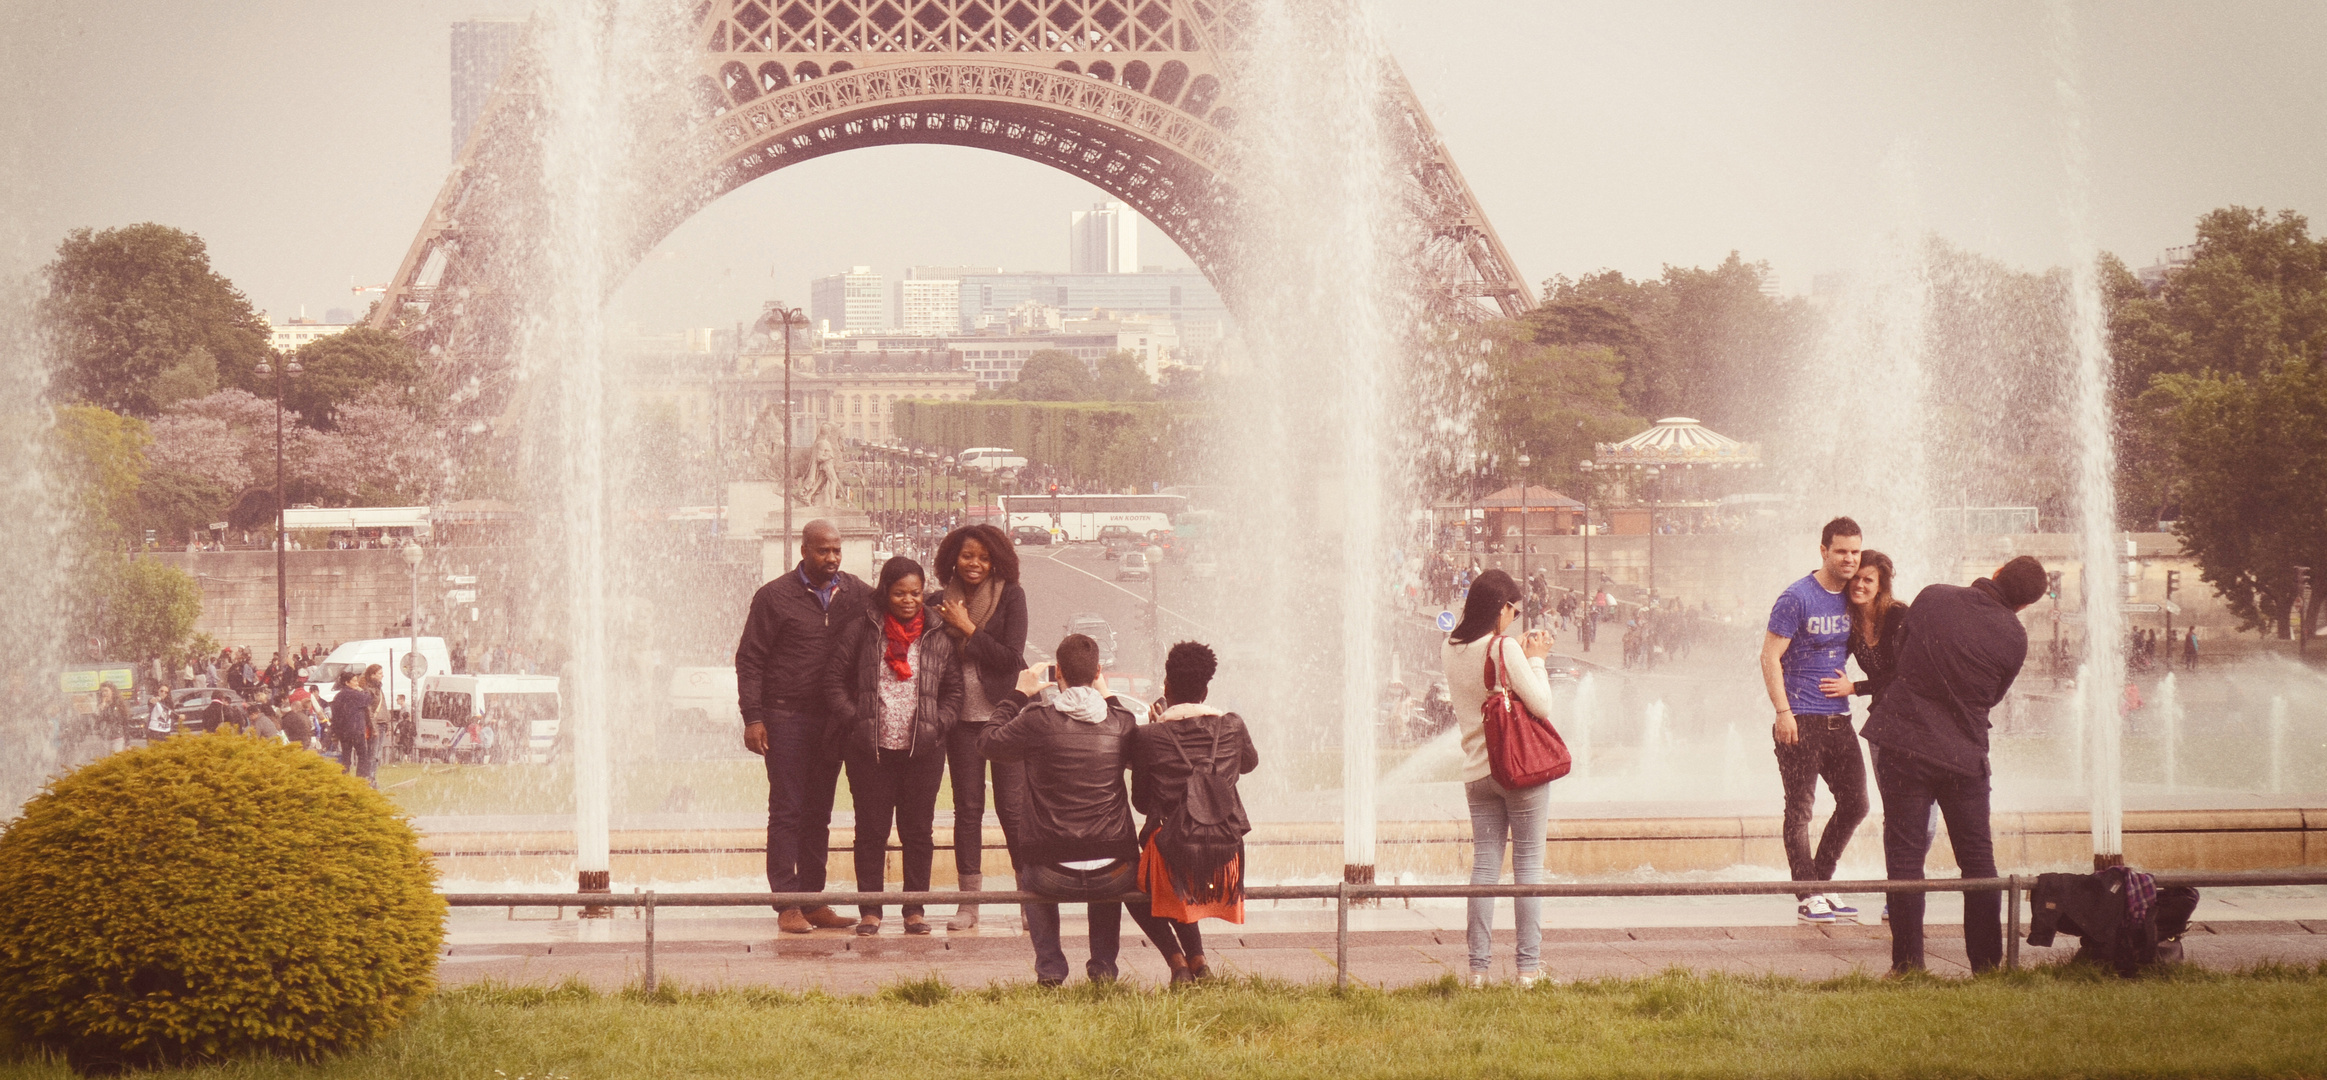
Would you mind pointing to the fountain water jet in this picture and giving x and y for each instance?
(2103, 677)
(1313, 465)
(2169, 716)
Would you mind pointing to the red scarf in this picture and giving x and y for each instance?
(898, 649)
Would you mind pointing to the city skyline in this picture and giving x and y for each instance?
(304, 143)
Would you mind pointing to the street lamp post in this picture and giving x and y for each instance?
(1655, 491)
(1526, 584)
(287, 367)
(414, 666)
(1591, 594)
(785, 317)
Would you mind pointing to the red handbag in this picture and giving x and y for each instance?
(1523, 749)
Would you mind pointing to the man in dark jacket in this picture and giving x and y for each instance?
(779, 680)
(1076, 840)
(1958, 652)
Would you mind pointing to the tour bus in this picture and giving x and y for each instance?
(989, 459)
(1080, 517)
(450, 702)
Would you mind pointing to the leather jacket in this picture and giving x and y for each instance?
(1077, 806)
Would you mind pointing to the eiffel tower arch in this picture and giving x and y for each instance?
(1135, 96)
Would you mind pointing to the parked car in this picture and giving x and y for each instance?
(1133, 567)
(200, 709)
(1030, 535)
(1113, 549)
(1137, 691)
(1095, 627)
(1115, 533)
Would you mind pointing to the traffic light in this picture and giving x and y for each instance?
(2052, 584)
(2302, 580)
(2173, 580)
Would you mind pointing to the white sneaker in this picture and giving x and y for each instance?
(1477, 981)
(1842, 912)
(1815, 910)
(1527, 979)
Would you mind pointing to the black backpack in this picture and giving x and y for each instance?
(1205, 833)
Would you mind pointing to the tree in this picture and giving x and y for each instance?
(145, 608)
(2252, 457)
(1053, 375)
(99, 458)
(1121, 377)
(1551, 402)
(337, 370)
(140, 320)
(2252, 297)
(1695, 342)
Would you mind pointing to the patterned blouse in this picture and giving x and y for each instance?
(898, 700)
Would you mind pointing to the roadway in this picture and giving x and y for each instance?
(1064, 580)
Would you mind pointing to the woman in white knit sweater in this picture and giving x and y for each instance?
(1498, 815)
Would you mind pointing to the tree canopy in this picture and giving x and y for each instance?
(1053, 375)
(140, 320)
(337, 370)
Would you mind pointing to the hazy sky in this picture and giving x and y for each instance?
(305, 139)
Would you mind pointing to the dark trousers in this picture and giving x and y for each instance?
(1910, 786)
(1170, 936)
(968, 769)
(355, 755)
(1042, 924)
(900, 786)
(801, 779)
(1828, 749)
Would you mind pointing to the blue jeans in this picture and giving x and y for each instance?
(801, 779)
(1042, 925)
(1522, 817)
(1911, 787)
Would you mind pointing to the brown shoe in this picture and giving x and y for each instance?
(916, 925)
(824, 918)
(792, 922)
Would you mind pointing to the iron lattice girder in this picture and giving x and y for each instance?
(1130, 95)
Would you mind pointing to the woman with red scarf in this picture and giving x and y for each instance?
(894, 692)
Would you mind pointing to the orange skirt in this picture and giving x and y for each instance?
(1156, 881)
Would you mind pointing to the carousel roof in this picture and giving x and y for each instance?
(1678, 440)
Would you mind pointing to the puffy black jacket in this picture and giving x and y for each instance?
(1076, 804)
(787, 639)
(852, 694)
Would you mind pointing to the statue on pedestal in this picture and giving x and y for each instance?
(822, 484)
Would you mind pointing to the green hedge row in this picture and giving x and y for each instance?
(1116, 444)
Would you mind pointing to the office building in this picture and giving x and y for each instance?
(1185, 297)
(1103, 240)
(481, 51)
(929, 301)
(850, 303)
(299, 330)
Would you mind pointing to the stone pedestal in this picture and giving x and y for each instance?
(756, 508)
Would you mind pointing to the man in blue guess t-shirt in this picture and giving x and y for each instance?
(1808, 640)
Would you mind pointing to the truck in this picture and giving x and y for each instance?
(526, 707)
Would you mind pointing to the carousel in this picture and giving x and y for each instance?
(1674, 448)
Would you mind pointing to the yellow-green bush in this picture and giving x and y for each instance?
(212, 897)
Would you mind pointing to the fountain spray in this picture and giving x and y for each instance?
(2103, 677)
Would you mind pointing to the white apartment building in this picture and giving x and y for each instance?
(929, 306)
(850, 303)
(1103, 240)
(288, 336)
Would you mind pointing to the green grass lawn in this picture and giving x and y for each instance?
(2046, 1023)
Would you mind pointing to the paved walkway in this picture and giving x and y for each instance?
(1389, 947)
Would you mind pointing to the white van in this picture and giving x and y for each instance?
(449, 703)
(704, 699)
(386, 652)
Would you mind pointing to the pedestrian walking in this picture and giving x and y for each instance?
(2190, 650)
(894, 694)
(1499, 816)
(984, 612)
(1807, 640)
(781, 662)
(1077, 842)
(1963, 647)
(1184, 765)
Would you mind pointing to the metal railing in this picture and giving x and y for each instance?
(1345, 893)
